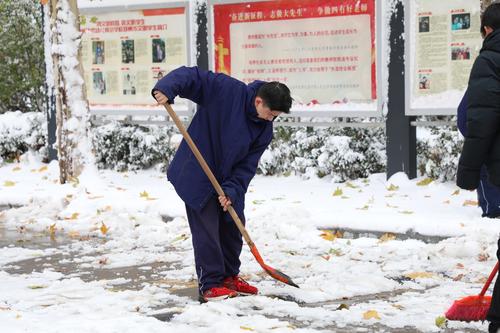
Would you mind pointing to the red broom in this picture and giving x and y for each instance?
(472, 308)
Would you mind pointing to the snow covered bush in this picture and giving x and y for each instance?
(20, 132)
(131, 147)
(438, 152)
(341, 153)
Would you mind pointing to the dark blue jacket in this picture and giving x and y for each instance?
(225, 129)
(462, 115)
(482, 140)
(488, 195)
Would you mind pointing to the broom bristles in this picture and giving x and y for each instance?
(471, 308)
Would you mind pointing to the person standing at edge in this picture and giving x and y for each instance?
(232, 128)
(482, 140)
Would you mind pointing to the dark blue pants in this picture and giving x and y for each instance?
(217, 244)
(488, 195)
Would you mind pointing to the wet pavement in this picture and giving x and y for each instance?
(68, 262)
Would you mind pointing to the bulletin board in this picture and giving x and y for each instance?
(126, 50)
(442, 42)
(324, 51)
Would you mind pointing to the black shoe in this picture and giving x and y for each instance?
(493, 327)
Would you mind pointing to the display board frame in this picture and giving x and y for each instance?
(318, 110)
(410, 62)
(186, 109)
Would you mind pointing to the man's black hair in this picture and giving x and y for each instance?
(276, 96)
(491, 17)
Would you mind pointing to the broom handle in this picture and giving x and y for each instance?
(490, 278)
(208, 172)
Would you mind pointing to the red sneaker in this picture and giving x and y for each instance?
(217, 294)
(238, 284)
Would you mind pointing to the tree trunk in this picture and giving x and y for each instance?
(71, 103)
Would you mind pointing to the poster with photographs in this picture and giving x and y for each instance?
(126, 53)
(447, 40)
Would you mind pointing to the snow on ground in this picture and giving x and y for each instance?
(284, 218)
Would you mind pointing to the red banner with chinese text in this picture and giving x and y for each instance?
(323, 50)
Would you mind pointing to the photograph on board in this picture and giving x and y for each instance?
(128, 51)
(158, 74)
(98, 52)
(423, 24)
(158, 50)
(99, 83)
(460, 53)
(424, 82)
(129, 84)
(460, 21)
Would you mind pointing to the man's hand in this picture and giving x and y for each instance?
(160, 98)
(225, 202)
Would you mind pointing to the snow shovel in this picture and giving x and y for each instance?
(271, 271)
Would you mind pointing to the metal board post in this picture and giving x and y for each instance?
(401, 136)
(202, 36)
(50, 103)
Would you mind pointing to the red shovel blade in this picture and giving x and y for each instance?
(280, 276)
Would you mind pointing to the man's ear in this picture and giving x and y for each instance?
(488, 30)
(258, 100)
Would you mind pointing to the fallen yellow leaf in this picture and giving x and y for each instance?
(470, 203)
(338, 192)
(343, 306)
(419, 275)
(393, 187)
(350, 185)
(246, 328)
(386, 237)
(37, 286)
(9, 183)
(441, 322)
(73, 216)
(74, 234)
(447, 202)
(144, 194)
(42, 169)
(104, 228)
(457, 192)
(330, 235)
(365, 207)
(371, 314)
(52, 229)
(408, 212)
(16, 169)
(425, 182)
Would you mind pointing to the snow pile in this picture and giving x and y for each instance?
(21, 132)
(115, 220)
